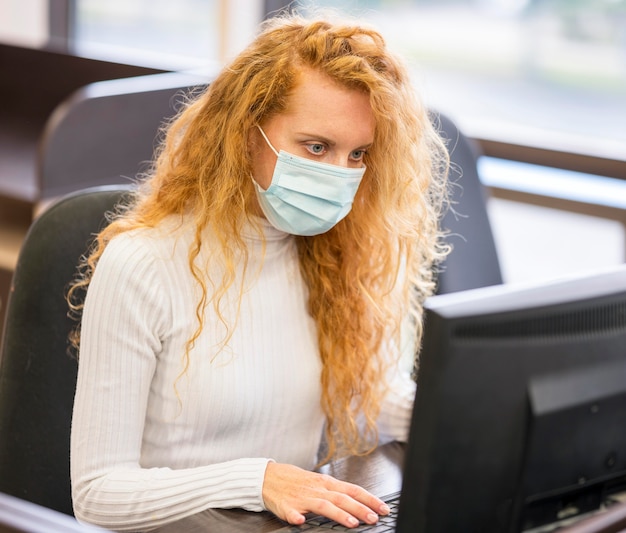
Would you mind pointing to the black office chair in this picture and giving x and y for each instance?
(37, 374)
(473, 261)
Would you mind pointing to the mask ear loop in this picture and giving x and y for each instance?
(257, 186)
(267, 140)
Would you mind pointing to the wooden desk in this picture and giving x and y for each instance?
(380, 473)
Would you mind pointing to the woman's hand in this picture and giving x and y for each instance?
(291, 492)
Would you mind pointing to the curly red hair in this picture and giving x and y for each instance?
(352, 271)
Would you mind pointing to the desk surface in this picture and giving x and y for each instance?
(379, 472)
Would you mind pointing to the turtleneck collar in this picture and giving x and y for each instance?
(270, 233)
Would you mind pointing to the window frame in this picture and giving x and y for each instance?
(61, 15)
(554, 153)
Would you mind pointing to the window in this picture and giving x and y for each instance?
(24, 22)
(162, 33)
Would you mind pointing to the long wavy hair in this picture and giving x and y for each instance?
(202, 170)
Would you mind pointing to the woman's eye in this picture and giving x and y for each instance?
(357, 155)
(316, 148)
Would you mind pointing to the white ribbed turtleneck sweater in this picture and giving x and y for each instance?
(151, 443)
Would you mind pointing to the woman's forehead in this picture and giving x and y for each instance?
(317, 99)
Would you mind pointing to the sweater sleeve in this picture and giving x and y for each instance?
(395, 416)
(124, 322)
(397, 408)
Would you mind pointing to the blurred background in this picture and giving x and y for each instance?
(552, 65)
(519, 76)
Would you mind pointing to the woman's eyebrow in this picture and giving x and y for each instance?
(328, 141)
(317, 136)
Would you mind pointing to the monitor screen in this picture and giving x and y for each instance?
(520, 413)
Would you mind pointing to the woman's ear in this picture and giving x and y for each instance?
(253, 141)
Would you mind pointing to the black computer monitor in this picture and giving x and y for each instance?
(520, 414)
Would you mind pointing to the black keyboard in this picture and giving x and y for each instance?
(385, 524)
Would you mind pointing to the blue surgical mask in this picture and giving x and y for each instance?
(306, 197)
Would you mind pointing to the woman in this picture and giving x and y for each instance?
(247, 305)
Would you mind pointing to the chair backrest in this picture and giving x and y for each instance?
(473, 261)
(106, 132)
(37, 374)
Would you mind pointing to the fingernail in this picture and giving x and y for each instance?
(353, 521)
(384, 509)
(372, 518)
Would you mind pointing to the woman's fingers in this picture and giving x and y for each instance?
(344, 509)
(366, 498)
(291, 492)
